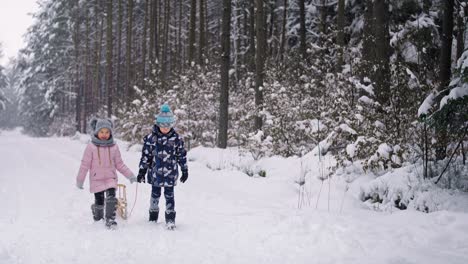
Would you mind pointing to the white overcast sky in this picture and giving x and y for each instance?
(15, 18)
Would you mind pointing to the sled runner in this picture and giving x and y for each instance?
(122, 201)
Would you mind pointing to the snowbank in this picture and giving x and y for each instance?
(223, 215)
(404, 188)
(401, 188)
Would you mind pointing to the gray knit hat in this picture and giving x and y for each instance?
(98, 124)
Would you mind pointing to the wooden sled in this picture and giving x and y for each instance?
(122, 201)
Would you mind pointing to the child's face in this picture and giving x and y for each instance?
(165, 130)
(104, 134)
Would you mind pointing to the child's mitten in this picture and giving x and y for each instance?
(79, 185)
(184, 176)
(132, 179)
(141, 176)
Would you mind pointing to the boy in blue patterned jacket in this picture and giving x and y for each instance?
(163, 151)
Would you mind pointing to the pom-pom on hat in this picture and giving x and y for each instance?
(165, 118)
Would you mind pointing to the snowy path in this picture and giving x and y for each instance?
(223, 216)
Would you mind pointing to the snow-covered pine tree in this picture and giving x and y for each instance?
(3, 84)
(10, 116)
(195, 108)
(332, 81)
(3, 99)
(448, 109)
(45, 85)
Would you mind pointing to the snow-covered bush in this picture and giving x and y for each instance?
(195, 111)
(259, 145)
(228, 159)
(3, 83)
(379, 135)
(404, 188)
(62, 126)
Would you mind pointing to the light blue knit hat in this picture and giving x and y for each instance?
(165, 118)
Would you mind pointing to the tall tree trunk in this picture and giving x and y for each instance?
(129, 78)
(88, 69)
(164, 62)
(245, 33)
(340, 38)
(463, 153)
(302, 29)
(172, 38)
(201, 44)
(95, 89)
(180, 60)
(152, 25)
(99, 88)
(252, 33)
(323, 18)
(110, 41)
(78, 90)
(446, 47)
(461, 27)
(96, 95)
(225, 56)
(193, 14)
(143, 46)
(445, 71)
(207, 31)
(382, 51)
(235, 29)
(118, 86)
(368, 40)
(259, 61)
(272, 29)
(159, 28)
(283, 31)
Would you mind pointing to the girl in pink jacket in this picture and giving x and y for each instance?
(102, 158)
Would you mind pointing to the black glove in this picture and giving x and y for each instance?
(141, 176)
(184, 176)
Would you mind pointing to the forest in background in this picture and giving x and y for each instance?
(378, 82)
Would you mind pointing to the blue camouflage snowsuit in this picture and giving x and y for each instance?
(162, 154)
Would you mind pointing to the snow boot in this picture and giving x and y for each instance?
(98, 212)
(153, 216)
(170, 220)
(111, 206)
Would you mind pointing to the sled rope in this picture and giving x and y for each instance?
(134, 203)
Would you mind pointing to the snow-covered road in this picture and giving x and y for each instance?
(223, 216)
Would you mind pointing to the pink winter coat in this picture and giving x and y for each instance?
(102, 163)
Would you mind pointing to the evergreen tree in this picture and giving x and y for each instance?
(345, 77)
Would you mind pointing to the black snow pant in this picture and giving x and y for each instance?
(107, 196)
(99, 196)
